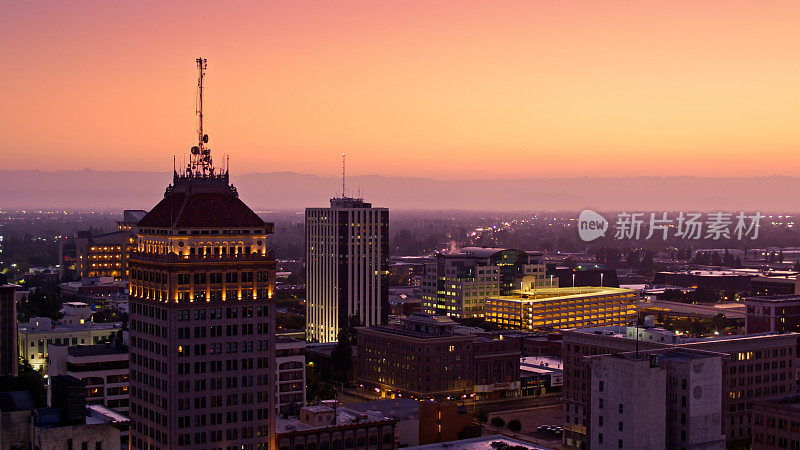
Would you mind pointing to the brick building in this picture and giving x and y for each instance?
(774, 314)
(423, 356)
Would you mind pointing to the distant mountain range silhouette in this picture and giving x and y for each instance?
(116, 190)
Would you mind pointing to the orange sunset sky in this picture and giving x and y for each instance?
(442, 89)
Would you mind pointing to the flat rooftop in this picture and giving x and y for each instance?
(789, 401)
(775, 298)
(95, 350)
(480, 443)
(548, 294)
(344, 416)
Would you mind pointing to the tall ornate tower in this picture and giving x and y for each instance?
(202, 322)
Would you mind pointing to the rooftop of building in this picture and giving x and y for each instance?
(133, 215)
(285, 341)
(82, 351)
(47, 325)
(483, 252)
(788, 401)
(714, 273)
(541, 362)
(668, 354)
(16, 401)
(344, 416)
(548, 294)
(775, 298)
(349, 202)
(626, 332)
(201, 207)
(494, 442)
(399, 408)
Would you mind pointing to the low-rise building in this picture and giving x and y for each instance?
(539, 375)
(36, 335)
(332, 426)
(560, 308)
(405, 410)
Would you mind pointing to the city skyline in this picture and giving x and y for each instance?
(409, 88)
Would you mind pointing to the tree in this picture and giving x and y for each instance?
(29, 380)
(482, 416)
(515, 426)
(498, 422)
(343, 352)
(40, 303)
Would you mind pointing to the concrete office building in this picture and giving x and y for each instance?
(759, 366)
(202, 322)
(657, 399)
(8, 329)
(560, 308)
(347, 261)
(457, 283)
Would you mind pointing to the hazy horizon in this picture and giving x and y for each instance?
(110, 190)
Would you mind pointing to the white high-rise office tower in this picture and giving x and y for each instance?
(347, 260)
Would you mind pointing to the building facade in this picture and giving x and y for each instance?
(202, 321)
(103, 368)
(424, 357)
(560, 308)
(657, 399)
(457, 283)
(347, 262)
(8, 330)
(759, 366)
(772, 314)
(92, 254)
(776, 423)
(290, 383)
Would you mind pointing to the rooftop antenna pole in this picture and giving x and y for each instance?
(343, 155)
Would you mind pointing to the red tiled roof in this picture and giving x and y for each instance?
(202, 210)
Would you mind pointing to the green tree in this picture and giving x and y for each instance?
(40, 303)
(343, 353)
(29, 380)
(316, 389)
(498, 422)
(515, 426)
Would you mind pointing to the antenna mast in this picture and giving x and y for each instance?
(200, 162)
(343, 195)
